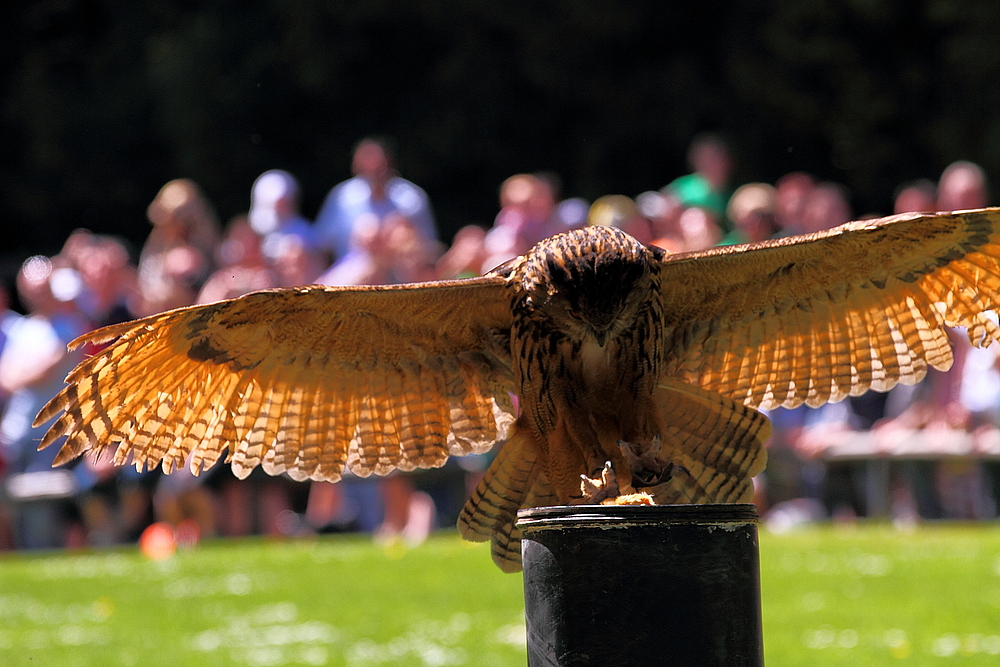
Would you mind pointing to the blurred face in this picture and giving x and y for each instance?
(33, 284)
(366, 234)
(241, 247)
(517, 191)
(286, 207)
(961, 189)
(698, 228)
(96, 268)
(791, 194)
(76, 247)
(293, 263)
(401, 238)
(667, 218)
(542, 202)
(914, 200)
(104, 269)
(825, 208)
(712, 161)
(371, 163)
(757, 225)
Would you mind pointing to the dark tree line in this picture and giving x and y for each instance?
(103, 101)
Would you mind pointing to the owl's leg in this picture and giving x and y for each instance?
(573, 447)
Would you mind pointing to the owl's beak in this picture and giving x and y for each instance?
(601, 336)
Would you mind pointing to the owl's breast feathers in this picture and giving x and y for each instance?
(587, 350)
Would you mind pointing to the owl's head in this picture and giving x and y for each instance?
(591, 282)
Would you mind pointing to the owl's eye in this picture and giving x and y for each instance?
(575, 314)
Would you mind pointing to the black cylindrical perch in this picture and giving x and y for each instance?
(642, 585)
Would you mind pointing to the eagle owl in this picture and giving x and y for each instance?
(617, 354)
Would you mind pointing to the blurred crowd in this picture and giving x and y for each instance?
(378, 228)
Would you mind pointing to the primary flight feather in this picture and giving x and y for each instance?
(617, 352)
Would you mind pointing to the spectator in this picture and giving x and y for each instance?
(918, 196)
(570, 214)
(293, 264)
(112, 500)
(368, 262)
(527, 215)
(33, 364)
(699, 228)
(109, 281)
(242, 267)
(961, 484)
(408, 256)
(663, 210)
(176, 258)
(711, 165)
(274, 215)
(791, 194)
(175, 261)
(621, 212)
(751, 209)
(375, 191)
(962, 186)
(467, 255)
(952, 400)
(825, 207)
(546, 214)
(8, 318)
(385, 251)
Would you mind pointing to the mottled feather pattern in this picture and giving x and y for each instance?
(715, 443)
(513, 481)
(277, 380)
(871, 298)
(572, 289)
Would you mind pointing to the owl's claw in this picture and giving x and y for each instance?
(648, 469)
(597, 489)
(604, 490)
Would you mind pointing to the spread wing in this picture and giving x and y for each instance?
(819, 317)
(309, 380)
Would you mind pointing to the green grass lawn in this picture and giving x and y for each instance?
(863, 596)
(876, 596)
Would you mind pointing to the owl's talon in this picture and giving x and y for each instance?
(648, 469)
(604, 486)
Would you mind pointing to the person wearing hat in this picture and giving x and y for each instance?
(274, 212)
(621, 212)
(751, 210)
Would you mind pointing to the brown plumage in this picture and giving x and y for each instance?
(603, 340)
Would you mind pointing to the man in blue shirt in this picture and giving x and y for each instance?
(375, 191)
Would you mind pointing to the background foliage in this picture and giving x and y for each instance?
(102, 101)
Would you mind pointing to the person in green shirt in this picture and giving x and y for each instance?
(707, 186)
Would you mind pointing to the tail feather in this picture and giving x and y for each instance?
(715, 443)
(514, 480)
(718, 443)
